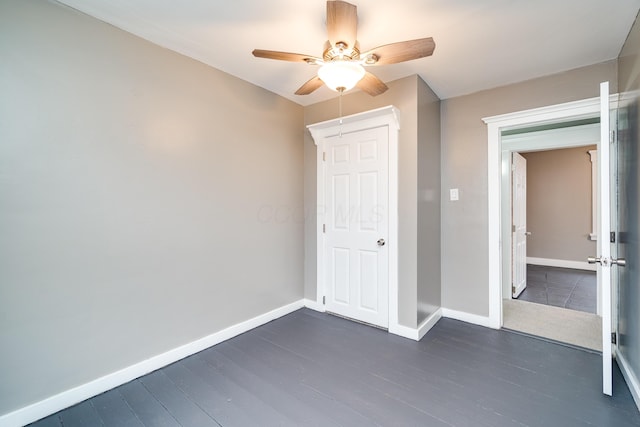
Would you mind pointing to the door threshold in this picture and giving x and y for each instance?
(562, 343)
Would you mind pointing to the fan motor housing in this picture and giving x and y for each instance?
(342, 51)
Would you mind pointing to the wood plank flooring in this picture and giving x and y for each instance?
(313, 369)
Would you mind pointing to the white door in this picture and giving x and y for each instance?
(519, 224)
(603, 268)
(357, 223)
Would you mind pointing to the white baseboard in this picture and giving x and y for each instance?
(429, 323)
(467, 317)
(314, 305)
(630, 377)
(578, 265)
(416, 334)
(404, 331)
(70, 397)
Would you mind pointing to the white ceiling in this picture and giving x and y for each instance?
(480, 44)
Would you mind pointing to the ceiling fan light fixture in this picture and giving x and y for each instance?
(342, 62)
(340, 75)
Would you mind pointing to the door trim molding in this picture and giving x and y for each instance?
(386, 116)
(586, 108)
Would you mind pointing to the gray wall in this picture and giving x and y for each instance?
(403, 94)
(136, 186)
(429, 279)
(465, 284)
(629, 219)
(559, 205)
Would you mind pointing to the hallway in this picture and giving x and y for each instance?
(561, 287)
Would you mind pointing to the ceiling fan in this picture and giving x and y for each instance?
(342, 61)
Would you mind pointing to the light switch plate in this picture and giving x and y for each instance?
(453, 194)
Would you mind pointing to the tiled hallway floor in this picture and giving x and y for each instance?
(561, 287)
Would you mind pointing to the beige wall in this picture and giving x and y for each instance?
(136, 186)
(465, 284)
(629, 62)
(404, 95)
(429, 202)
(559, 204)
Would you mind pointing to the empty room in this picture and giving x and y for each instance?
(293, 213)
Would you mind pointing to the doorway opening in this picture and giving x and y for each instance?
(518, 122)
(549, 289)
(603, 106)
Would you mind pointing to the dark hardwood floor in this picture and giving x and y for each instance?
(314, 369)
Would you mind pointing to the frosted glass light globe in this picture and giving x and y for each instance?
(341, 75)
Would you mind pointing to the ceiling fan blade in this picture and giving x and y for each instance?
(286, 56)
(342, 23)
(371, 84)
(310, 86)
(399, 52)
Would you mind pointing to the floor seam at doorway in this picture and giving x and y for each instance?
(552, 341)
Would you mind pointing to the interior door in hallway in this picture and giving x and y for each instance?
(357, 199)
(519, 224)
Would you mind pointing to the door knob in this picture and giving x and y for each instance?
(381, 242)
(606, 261)
(527, 233)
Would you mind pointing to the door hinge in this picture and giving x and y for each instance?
(513, 289)
(324, 156)
(614, 338)
(324, 300)
(612, 136)
(612, 237)
(324, 228)
(513, 228)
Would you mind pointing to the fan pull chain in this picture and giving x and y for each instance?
(340, 114)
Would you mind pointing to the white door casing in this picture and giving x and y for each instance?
(575, 110)
(587, 108)
(519, 224)
(356, 225)
(382, 117)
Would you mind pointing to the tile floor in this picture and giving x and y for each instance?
(561, 287)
